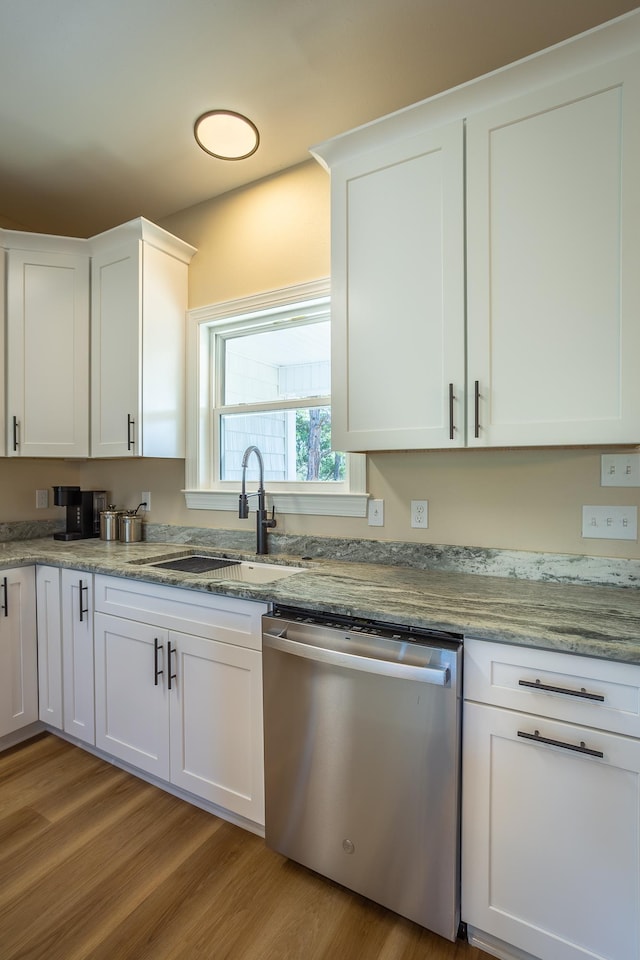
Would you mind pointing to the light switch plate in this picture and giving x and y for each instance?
(620, 470)
(610, 523)
(375, 513)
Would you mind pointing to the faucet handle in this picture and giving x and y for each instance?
(270, 522)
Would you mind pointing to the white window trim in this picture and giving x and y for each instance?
(201, 491)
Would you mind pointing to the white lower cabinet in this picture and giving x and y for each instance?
(18, 650)
(65, 650)
(77, 654)
(184, 707)
(216, 742)
(49, 612)
(551, 824)
(132, 698)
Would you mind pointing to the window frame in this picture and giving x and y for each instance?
(203, 488)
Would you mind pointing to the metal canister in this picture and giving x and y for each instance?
(130, 527)
(109, 523)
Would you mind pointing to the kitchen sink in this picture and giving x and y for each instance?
(222, 568)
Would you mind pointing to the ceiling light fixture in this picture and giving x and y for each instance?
(226, 135)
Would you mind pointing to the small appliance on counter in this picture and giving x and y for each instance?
(83, 512)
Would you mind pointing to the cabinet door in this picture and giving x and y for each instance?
(18, 650)
(553, 246)
(138, 304)
(49, 645)
(77, 654)
(132, 700)
(116, 291)
(398, 295)
(47, 354)
(216, 723)
(550, 836)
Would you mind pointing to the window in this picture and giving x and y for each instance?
(260, 374)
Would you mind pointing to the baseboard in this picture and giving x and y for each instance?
(495, 947)
(19, 736)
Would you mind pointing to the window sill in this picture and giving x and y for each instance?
(308, 504)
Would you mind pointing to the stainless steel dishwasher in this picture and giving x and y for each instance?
(362, 758)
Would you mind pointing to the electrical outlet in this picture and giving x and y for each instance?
(145, 497)
(42, 499)
(610, 523)
(620, 470)
(420, 513)
(376, 513)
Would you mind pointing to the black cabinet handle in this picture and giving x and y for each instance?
(171, 676)
(452, 427)
(548, 688)
(130, 423)
(81, 590)
(476, 403)
(5, 596)
(16, 428)
(576, 748)
(156, 673)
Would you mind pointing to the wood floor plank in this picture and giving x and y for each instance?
(104, 881)
(36, 781)
(65, 838)
(96, 864)
(185, 902)
(18, 829)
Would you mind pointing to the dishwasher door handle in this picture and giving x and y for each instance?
(439, 676)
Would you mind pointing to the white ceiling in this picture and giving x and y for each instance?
(98, 97)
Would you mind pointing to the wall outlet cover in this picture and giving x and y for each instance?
(420, 513)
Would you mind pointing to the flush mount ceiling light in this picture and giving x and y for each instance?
(226, 135)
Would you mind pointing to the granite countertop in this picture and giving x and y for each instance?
(587, 620)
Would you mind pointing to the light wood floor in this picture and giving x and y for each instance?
(97, 864)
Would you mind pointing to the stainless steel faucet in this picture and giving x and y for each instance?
(263, 521)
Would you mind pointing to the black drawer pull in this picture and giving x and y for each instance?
(452, 426)
(476, 408)
(5, 597)
(81, 591)
(130, 425)
(171, 676)
(156, 673)
(560, 743)
(549, 688)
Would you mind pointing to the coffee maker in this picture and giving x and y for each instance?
(83, 512)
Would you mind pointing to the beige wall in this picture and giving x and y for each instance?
(275, 233)
(19, 480)
(270, 235)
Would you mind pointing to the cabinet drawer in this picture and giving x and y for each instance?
(205, 614)
(596, 693)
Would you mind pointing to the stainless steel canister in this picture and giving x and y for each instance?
(130, 527)
(109, 523)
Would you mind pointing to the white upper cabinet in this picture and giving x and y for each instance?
(47, 346)
(553, 298)
(549, 204)
(398, 295)
(138, 305)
